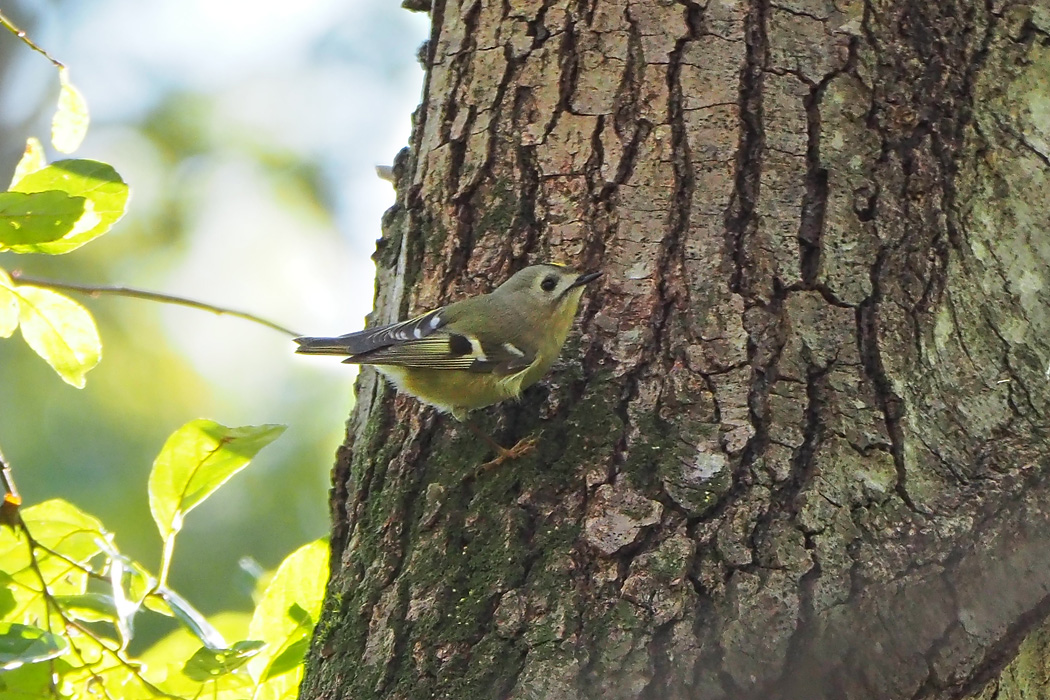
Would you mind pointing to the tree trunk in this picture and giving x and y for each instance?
(798, 447)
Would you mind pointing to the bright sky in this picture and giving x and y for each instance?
(334, 81)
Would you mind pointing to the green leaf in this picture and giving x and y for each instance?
(8, 306)
(97, 182)
(289, 609)
(32, 160)
(30, 221)
(36, 681)
(165, 659)
(138, 583)
(7, 596)
(23, 644)
(89, 607)
(197, 459)
(195, 622)
(61, 526)
(70, 123)
(207, 663)
(290, 658)
(59, 330)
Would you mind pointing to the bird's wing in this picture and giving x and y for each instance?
(372, 339)
(444, 350)
(426, 342)
(502, 359)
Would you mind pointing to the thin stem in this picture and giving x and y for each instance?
(98, 290)
(165, 562)
(10, 26)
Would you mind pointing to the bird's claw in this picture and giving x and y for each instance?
(525, 446)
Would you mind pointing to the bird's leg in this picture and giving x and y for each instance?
(522, 448)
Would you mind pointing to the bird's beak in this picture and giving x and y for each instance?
(585, 278)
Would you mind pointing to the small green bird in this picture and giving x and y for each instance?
(475, 352)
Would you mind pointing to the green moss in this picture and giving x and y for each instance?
(650, 454)
(380, 446)
(458, 569)
(659, 461)
(615, 631)
(621, 658)
(1025, 676)
(336, 636)
(389, 246)
(591, 429)
(500, 211)
(488, 669)
(433, 237)
(475, 543)
(333, 604)
(670, 561)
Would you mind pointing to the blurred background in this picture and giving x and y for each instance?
(248, 131)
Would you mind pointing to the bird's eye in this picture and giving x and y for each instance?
(549, 283)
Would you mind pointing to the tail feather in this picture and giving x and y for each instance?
(323, 346)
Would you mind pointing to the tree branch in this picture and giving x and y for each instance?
(11, 500)
(98, 290)
(9, 26)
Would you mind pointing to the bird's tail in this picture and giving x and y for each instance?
(322, 346)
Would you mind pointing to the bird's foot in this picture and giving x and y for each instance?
(525, 446)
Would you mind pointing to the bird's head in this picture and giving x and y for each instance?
(548, 286)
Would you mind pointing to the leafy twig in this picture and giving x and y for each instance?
(10, 26)
(53, 605)
(98, 290)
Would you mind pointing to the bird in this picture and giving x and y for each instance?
(474, 352)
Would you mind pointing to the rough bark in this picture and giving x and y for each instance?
(798, 447)
(1027, 676)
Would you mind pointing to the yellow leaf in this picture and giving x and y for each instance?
(96, 182)
(59, 330)
(70, 123)
(8, 306)
(285, 619)
(197, 459)
(32, 160)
